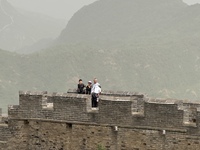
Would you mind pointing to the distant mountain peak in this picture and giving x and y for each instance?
(19, 29)
(117, 19)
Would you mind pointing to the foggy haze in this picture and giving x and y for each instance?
(150, 46)
(60, 8)
(63, 9)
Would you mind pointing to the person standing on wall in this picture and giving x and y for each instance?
(81, 86)
(95, 91)
(88, 87)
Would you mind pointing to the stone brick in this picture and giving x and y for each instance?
(123, 121)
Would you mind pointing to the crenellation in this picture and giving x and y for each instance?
(14, 111)
(70, 108)
(139, 110)
(32, 92)
(138, 106)
(27, 101)
(120, 113)
(115, 93)
(163, 101)
(190, 113)
(47, 102)
(153, 110)
(113, 112)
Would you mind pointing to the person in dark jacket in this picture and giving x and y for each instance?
(88, 87)
(81, 86)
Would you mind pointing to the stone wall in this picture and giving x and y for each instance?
(73, 107)
(43, 135)
(5, 133)
(125, 110)
(122, 121)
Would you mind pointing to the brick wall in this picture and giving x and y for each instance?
(143, 122)
(43, 135)
(124, 109)
(5, 133)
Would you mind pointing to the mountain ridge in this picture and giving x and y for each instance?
(154, 51)
(138, 12)
(28, 29)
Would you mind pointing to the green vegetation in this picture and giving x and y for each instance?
(100, 147)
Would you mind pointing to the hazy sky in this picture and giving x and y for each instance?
(60, 8)
(57, 8)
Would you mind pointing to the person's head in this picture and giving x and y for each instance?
(89, 82)
(95, 80)
(80, 81)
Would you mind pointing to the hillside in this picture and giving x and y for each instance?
(132, 45)
(9, 77)
(122, 21)
(151, 46)
(27, 27)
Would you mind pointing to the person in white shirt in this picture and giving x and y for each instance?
(95, 91)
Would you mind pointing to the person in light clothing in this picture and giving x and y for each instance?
(95, 91)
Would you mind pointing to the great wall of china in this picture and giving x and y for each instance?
(122, 121)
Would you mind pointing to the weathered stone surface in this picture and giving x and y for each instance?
(123, 121)
(48, 135)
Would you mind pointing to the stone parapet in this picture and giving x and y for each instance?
(114, 93)
(122, 121)
(115, 108)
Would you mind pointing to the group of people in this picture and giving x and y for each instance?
(92, 89)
